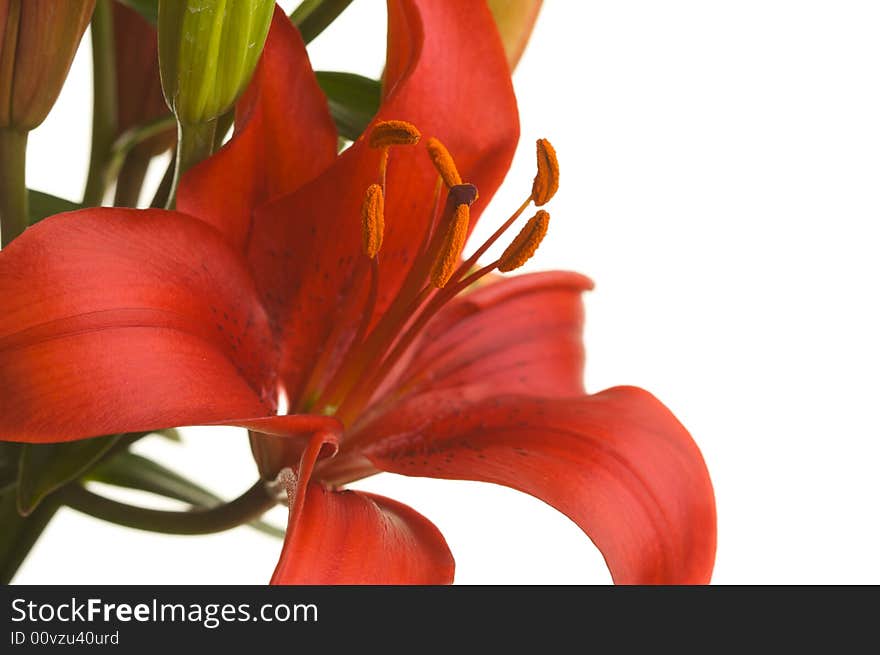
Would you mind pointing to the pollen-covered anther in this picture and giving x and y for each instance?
(443, 162)
(547, 179)
(373, 220)
(526, 243)
(393, 133)
(450, 251)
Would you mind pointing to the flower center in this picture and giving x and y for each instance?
(436, 276)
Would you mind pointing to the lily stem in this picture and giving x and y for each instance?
(244, 509)
(128, 164)
(130, 180)
(104, 108)
(195, 142)
(13, 192)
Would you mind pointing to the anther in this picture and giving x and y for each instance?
(373, 220)
(453, 244)
(443, 162)
(394, 133)
(526, 243)
(547, 180)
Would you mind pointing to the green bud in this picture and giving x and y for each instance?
(208, 50)
(38, 39)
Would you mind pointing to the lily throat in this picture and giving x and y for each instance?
(360, 367)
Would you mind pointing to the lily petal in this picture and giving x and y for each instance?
(447, 74)
(618, 463)
(284, 137)
(522, 334)
(118, 320)
(348, 537)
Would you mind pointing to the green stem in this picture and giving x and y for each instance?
(163, 191)
(127, 166)
(13, 192)
(104, 110)
(244, 509)
(130, 180)
(223, 124)
(313, 16)
(195, 142)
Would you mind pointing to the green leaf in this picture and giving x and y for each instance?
(313, 16)
(9, 454)
(149, 9)
(133, 471)
(44, 204)
(353, 99)
(172, 434)
(43, 468)
(19, 533)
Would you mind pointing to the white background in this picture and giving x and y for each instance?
(720, 182)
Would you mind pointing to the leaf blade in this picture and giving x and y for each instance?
(354, 100)
(313, 16)
(19, 533)
(42, 205)
(44, 468)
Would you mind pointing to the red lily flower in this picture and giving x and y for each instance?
(123, 320)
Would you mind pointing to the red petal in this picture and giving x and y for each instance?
(349, 537)
(279, 441)
(519, 335)
(617, 463)
(284, 137)
(121, 320)
(355, 538)
(448, 75)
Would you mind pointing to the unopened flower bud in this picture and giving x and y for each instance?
(208, 50)
(38, 39)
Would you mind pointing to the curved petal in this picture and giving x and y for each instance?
(618, 463)
(446, 73)
(348, 537)
(518, 335)
(281, 441)
(118, 320)
(284, 137)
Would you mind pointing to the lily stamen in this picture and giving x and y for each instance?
(450, 250)
(373, 220)
(437, 274)
(525, 244)
(520, 250)
(386, 134)
(443, 162)
(544, 187)
(479, 252)
(394, 133)
(546, 181)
